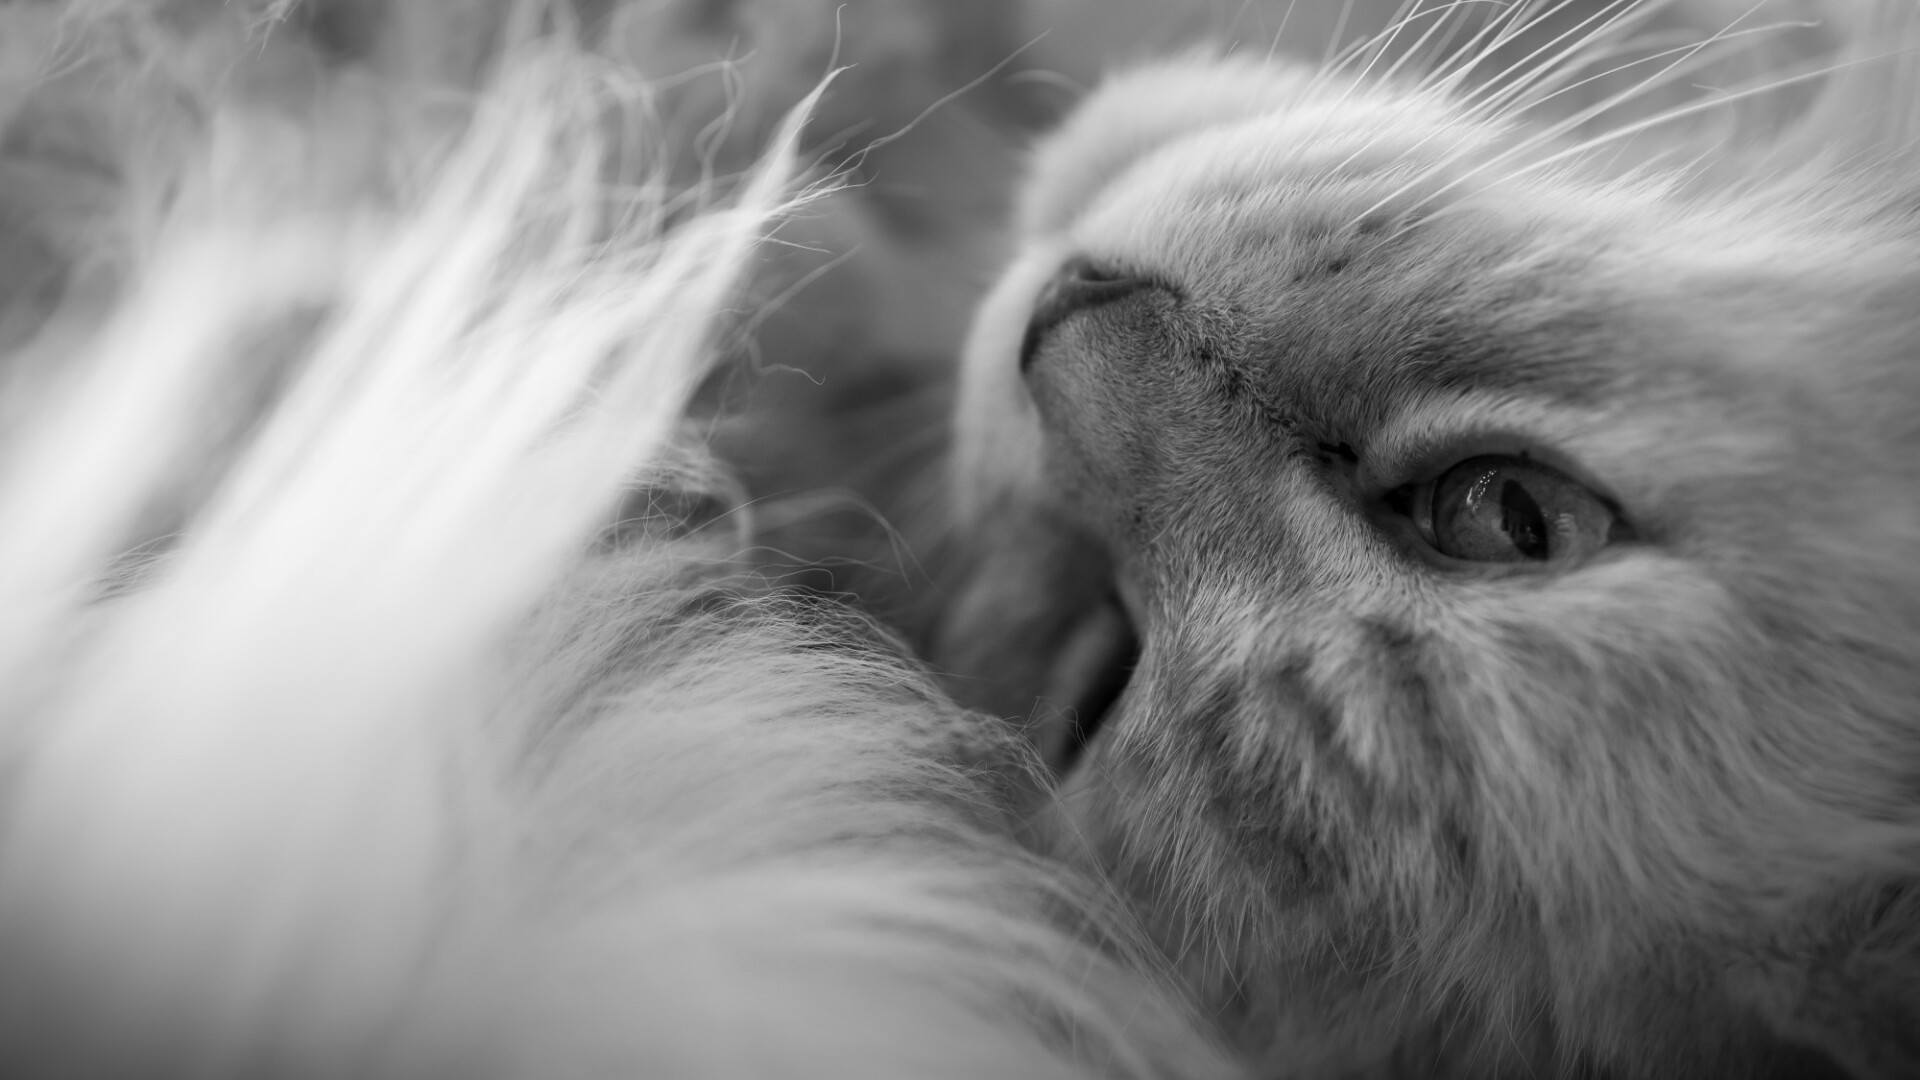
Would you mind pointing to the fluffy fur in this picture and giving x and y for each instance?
(1647, 813)
(351, 726)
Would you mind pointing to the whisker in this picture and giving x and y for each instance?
(1334, 47)
(1443, 49)
(1233, 24)
(1612, 23)
(1675, 69)
(1484, 108)
(1560, 60)
(1584, 116)
(1692, 59)
(1703, 106)
(1498, 30)
(1285, 16)
(1379, 43)
(1445, 19)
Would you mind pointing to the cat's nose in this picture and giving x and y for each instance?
(1080, 284)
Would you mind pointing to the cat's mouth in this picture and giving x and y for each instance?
(1094, 665)
(1039, 633)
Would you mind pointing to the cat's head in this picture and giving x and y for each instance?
(1521, 563)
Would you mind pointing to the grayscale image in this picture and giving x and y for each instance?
(959, 539)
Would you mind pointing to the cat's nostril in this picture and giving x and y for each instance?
(1080, 284)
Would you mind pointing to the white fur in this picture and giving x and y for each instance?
(379, 766)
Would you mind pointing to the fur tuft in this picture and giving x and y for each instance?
(343, 730)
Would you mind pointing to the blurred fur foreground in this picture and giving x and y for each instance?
(386, 752)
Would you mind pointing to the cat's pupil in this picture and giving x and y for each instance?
(1501, 508)
(1522, 521)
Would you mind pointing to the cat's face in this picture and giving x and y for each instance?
(1521, 568)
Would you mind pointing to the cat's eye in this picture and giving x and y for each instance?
(1497, 508)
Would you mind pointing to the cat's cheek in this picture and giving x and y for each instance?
(997, 438)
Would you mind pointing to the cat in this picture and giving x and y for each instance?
(1463, 578)
(387, 686)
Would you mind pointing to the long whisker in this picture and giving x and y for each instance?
(1378, 45)
(1584, 116)
(1559, 60)
(1492, 105)
(1661, 77)
(1445, 20)
(1692, 59)
(1557, 72)
(1285, 16)
(1339, 30)
(1703, 106)
(1612, 21)
(1671, 115)
(1454, 70)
